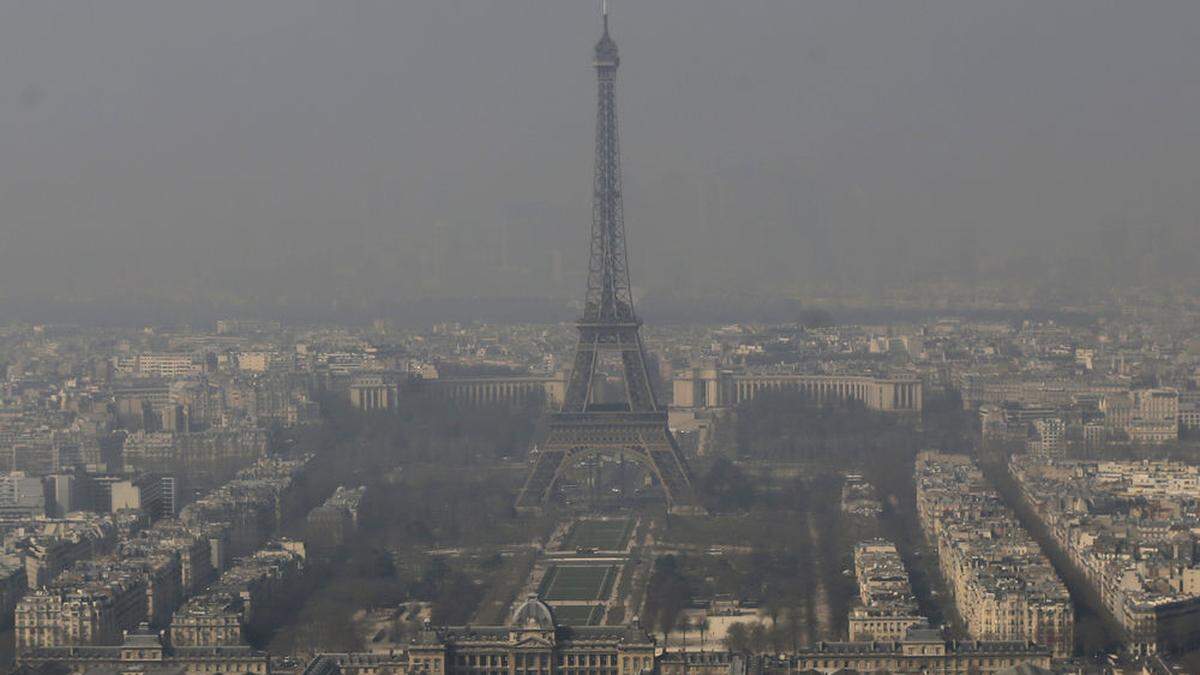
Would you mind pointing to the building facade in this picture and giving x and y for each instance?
(375, 391)
(1003, 585)
(533, 645)
(920, 651)
(474, 391)
(144, 651)
(701, 388)
(886, 607)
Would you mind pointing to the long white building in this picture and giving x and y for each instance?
(704, 388)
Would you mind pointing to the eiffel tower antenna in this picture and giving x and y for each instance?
(638, 426)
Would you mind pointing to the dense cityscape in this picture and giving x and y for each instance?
(177, 489)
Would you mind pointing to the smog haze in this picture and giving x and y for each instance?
(292, 151)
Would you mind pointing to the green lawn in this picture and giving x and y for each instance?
(578, 582)
(578, 615)
(604, 535)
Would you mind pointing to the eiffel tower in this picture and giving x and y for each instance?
(637, 428)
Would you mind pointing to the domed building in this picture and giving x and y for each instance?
(533, 614)
(532, 644)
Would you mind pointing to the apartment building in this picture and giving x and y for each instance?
(1003, 586)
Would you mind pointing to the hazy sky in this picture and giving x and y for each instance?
(438, 148)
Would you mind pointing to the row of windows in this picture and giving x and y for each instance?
(531, 660)
(526, 661)
(870, 664)
(572, 670)
(481, 660)
(587, 659)
(219, 669)
(888, 625)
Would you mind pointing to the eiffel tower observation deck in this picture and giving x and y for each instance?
(635, 428)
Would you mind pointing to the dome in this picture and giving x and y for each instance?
(533, 613)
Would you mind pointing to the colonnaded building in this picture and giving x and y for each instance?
(503, 389)
(382, 390)
(694, 390)
(706, 388)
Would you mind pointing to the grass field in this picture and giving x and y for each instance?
(579, 615)
(604, 535)
(578, 582)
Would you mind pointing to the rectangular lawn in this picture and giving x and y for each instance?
(578, 582)
(578, 615)
(603, 535)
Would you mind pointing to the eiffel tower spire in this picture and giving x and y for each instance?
(609, 322)
(637, 428)
(608, 293)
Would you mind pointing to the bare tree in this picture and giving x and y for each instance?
(683, 624)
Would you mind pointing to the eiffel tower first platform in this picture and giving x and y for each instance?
(637, 428)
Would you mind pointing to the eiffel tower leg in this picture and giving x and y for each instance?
(664, 458)
(647, 441)
(579, 387)
(637, 377)
(546, 469)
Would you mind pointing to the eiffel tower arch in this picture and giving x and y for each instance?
(637, 426)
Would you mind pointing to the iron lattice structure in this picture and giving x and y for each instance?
(638, 428)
